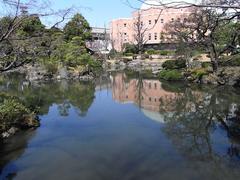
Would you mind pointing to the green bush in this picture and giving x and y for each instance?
(174, 64)
(151, 51)
(130, 48)
(164, 53)
(171, 75)
(12, 112)
(199, 73)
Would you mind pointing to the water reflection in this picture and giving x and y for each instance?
(125, 127)
(191, 115)
(40, 97)
(147, 94)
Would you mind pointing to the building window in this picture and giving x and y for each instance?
(149, 36)
(150, 85)
(179, 20)
(156, 21)
(150, 99)
(162, 21)
(125, 25)
(141, 23)
(172, 19)
(125, 34)
(155, 36)
(150, 22)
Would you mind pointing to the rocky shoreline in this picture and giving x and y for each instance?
(26, 122)
(38, 73)
(229, 76)
(224, 76)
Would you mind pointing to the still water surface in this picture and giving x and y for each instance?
(125, 127)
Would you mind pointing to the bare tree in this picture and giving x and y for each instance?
(178, 4)
(205, 24)
(216, 32)
(140, 30)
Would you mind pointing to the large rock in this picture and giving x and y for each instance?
(37, 73)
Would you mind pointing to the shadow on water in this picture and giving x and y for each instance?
(196, 126)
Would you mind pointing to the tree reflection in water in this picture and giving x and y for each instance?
(39, 97)
(193, 117)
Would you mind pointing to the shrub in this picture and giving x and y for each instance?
(174, 64)
(171, 75)
(130, 48)
(11, 112)
(11, 108)
(151, 52)
(199, 73)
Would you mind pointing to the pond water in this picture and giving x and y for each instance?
(125, 127)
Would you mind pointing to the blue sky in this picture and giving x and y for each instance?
(98, 12)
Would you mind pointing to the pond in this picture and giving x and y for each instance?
(125, 127)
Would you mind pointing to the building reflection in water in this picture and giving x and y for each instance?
(147, 94)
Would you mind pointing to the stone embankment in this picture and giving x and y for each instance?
(137, 65)
(38, 72)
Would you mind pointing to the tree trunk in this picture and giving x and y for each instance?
(214, 64)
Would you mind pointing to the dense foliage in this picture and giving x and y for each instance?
(33, 42)
(13, 113)
(78, 26)
(174, 64)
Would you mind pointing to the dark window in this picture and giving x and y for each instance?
(149, 36)
(150, 22)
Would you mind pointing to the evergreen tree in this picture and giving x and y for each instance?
(78, 26)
